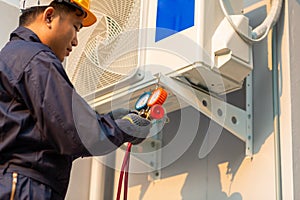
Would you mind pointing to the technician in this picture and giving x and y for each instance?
(44, 124)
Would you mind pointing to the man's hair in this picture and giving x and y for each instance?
(29, 15)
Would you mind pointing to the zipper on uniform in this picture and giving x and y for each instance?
(14, 185)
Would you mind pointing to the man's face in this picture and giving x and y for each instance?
(64, 34)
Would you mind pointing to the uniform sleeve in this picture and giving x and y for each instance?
(64, 119)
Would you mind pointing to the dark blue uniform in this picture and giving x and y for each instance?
(44, 123)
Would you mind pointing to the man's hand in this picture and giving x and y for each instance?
(135, 127)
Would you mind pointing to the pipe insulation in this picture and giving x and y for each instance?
(260, 32)
(269, 21)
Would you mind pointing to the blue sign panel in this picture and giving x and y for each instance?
(173, 16)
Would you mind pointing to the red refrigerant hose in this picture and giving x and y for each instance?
(124, 169)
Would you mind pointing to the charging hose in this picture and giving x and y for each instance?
(124, 170)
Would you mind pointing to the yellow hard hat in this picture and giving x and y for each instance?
(89, 19)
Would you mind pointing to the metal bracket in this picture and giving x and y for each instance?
(249, 113)
(152, 158)
(234, 119)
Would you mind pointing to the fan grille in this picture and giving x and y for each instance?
(108, 51)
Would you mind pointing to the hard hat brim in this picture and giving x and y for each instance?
(90, 18)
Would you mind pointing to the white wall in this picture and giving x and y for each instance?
(8, 21)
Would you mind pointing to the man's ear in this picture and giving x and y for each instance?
(48, 16)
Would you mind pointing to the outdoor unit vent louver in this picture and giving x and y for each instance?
(104, 56)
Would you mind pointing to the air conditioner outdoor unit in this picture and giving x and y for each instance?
(135, 42)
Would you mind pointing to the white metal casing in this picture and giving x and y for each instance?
(194, 53)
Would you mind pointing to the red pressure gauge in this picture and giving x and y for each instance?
(157, 112)
(158, 97)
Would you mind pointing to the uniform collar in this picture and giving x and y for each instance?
(24, 34)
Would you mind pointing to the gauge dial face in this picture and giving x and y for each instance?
(141, 103)
(157, 112)
(158, 97)
(154, 97)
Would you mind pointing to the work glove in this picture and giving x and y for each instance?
(119, 113)
(134, 127)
